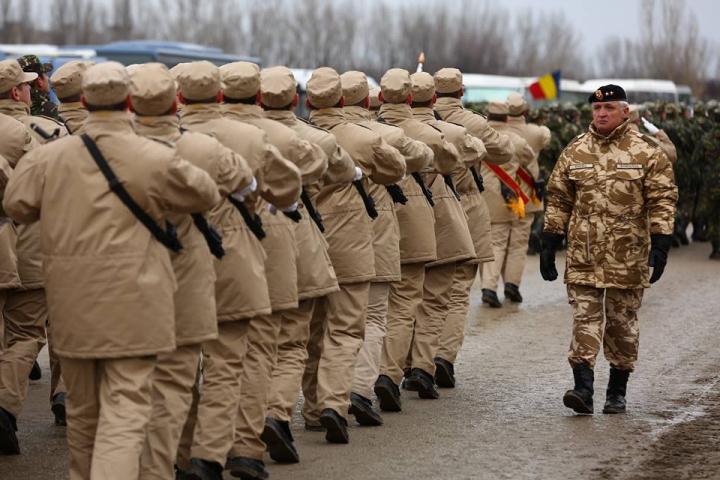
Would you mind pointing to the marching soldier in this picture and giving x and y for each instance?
(316, 275)
(538, 137)
(40, 88)
(241, 289)
(386, 243)
(242, 94)
(347, 212)
(455, 243)
(154, 100)
(661, 137)
(613, 194)
(506, 202)
(111, 247)
(414, 299)
(67, 83)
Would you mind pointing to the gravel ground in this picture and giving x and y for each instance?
(505, 419)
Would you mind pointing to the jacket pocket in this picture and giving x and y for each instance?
(625, 190)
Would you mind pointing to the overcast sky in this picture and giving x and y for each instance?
(598, 20)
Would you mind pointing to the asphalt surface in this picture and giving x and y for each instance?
(506, 419)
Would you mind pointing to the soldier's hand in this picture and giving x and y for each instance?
(659, 249)
(650, 127)
(551, 242)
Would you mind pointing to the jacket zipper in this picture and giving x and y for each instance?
(587, 236)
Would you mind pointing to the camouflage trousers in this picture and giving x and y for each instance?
(621, 333)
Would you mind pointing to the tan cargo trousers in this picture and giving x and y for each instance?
(516, 255)
(621, 335)
(403, 300)
(336, 334)
(3, 297)
(222, 371)
(255, 386)
(173, 381)
(430, 316)
(292, 354)
(108, 407)
(367, 366)
(56, 382)
(500, 238)
(25, 313)
(453, 335)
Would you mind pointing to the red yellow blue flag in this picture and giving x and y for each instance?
(547, 87)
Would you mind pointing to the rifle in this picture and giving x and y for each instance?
(212, 236)
(367, 199)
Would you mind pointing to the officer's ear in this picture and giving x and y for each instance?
(15, 93)
(434, 99)
(380, 97)
(295, 101)
(173, 109)
(366, 103)
(342, 101)
(181, 97)
(308, 104)
(83, 101)
(220, 96)
(128, 103)
(408, 100)
(462, 91)
(258, 99)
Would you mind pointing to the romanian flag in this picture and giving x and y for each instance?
(547, 87)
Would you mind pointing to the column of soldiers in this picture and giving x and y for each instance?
(202, 256)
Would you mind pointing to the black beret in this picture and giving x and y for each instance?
(608, 93)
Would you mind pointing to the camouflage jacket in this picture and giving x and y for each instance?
(42, 105)
(609, 194)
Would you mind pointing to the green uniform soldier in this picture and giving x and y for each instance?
(613, 194)
(40, 92)
(707, 158)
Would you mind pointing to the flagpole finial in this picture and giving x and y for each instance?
(421, 58)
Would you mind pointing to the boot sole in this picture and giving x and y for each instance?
(443, 377)
(510, 296)
(58, 410)
(336, 432)
(570, 400)
(388, 402)
(248, 474)
(365, 418)
(491, 303)
(278, 448)
(613, 411)
(424, 390)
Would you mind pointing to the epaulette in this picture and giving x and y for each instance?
(385, 122)
(307, 122)
(456, 124)
(363, 126)
(477, 113)
(162, 140)
(51, 119)
(433, 126)
(651, 140)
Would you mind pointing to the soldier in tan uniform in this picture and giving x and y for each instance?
(241, 289)
(505, 200)
(613, 194)
(538, 137)
(315, 272)
(242, 95)
(386, 243)
(154, 101)
(347, 218)
(660, 136)
(455, 244)
(67, 83)
(418, 247)
(470, 185)
(25, 309)
(375, 103)
(102, 251)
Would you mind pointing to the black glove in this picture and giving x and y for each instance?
(540, 188)
(659, 248)
(551, 242)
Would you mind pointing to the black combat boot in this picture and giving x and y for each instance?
(580, 397)
(8, 440)
(491, 298)
(617, 386)
(715, 255)
(335, 426)
(36, 372)
(247, 468)
(388, 394)
(279, 440)
(364, 412)
(423, 383)
(199, 469)
(444, 373)
(512, 293)
(58, 409)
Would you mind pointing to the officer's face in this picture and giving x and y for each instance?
(21, 93)
(607, 116)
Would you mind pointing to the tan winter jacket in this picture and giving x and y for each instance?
(29, 256)
(538, 137)
(663, 141)
(109, 283)
(452, 234)
(9, 277)
(386, 231)
(194, 265)
(523, 156)
(73, 115)
(609, 194)
(348, 228)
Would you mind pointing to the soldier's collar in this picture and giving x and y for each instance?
(357, 113)
(242, 110)
(616, 134)
(328, 118)
(14, 108)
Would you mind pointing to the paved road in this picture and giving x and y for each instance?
(506, 419)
